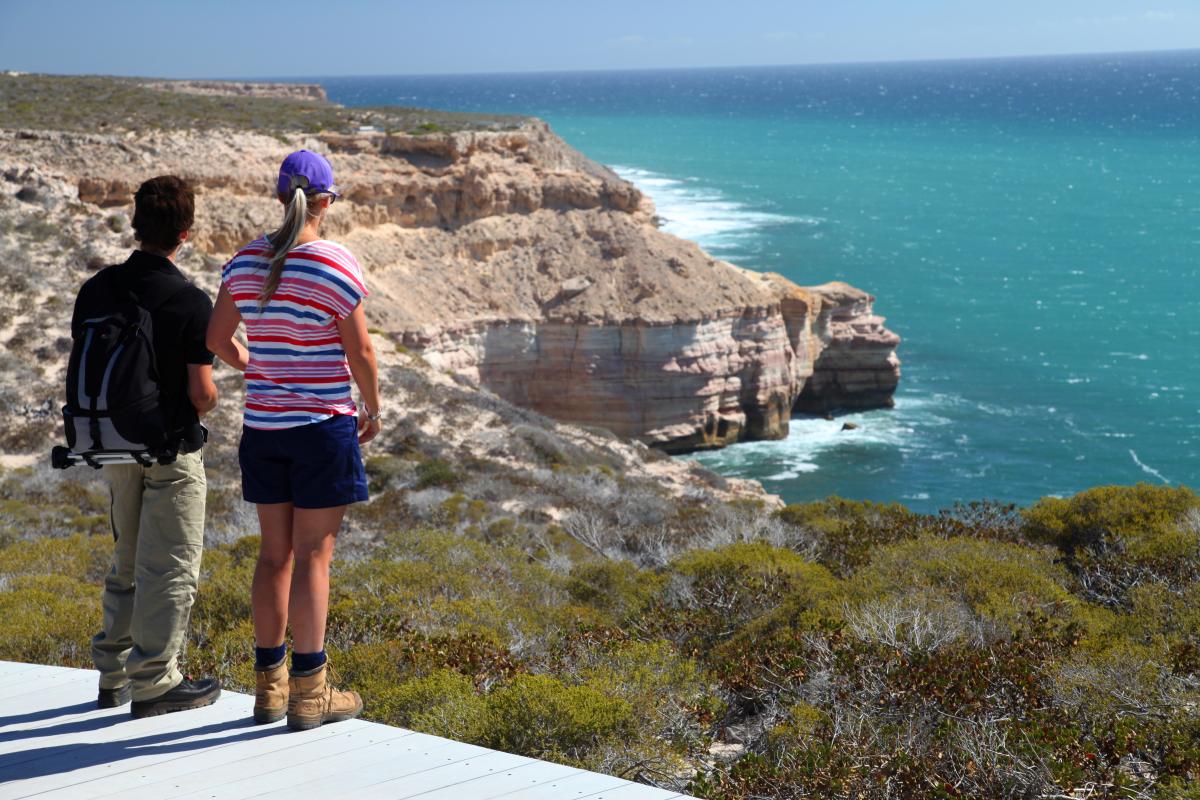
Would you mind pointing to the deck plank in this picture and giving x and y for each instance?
(56, 745)
(633, 791)
(571, 787)
(417, 754)
(486, 765)
(228, 762)
(28, 691)
(533, 774)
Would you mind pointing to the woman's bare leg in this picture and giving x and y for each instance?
(314, 530)
(272, 574)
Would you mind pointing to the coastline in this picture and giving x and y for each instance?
(502, 254)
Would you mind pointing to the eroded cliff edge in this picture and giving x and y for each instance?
(508, 257)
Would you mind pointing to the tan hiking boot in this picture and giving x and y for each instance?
(270, 693)
(312, 700)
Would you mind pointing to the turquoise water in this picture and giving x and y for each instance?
(1030, 228)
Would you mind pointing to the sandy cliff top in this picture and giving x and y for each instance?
(452, 228)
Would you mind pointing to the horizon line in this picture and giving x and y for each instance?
(885, 62)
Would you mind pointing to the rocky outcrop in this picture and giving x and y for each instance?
(280, 91)
(857, 365)
(510, 258)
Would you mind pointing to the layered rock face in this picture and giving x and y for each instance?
(510, 258)
(857, 367)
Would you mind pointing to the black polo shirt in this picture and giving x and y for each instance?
(180, 324)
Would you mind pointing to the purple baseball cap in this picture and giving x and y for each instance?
(306, 170)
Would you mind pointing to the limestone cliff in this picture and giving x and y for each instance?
(508, 257)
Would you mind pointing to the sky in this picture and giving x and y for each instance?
(246, 38)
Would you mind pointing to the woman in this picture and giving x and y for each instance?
(300, 297)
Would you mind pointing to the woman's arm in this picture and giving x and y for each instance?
(221, 328)
(360, 354)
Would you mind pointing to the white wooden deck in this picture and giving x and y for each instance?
(55, 743)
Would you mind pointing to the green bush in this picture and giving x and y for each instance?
(1106, 513)
(618, 588)
(747, 577)
(80, 556)
(382, 471)
(849, 530)
(966, 654)
(48, 619)
(1118, 537)
(434, 472)
(541, 717)
(714, 593)
(1001, 583)
(443, 703)
(223, 597)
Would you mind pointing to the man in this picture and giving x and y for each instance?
(157, 510)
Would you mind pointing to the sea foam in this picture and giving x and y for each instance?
(704, 215)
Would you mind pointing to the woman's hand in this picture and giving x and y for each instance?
(368, 428)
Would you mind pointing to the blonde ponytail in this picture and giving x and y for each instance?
(283, 240)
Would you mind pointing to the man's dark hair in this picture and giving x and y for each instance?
(163, 208)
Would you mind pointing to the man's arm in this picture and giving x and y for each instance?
(201, 389)
(221, 328)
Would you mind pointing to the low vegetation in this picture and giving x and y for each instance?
(833, 650)
(86, 103)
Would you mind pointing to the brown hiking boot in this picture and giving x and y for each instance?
(270, 693)
(312, 701)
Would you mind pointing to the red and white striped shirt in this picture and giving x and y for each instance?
(297, 373)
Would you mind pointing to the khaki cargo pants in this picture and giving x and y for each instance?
(158, 524)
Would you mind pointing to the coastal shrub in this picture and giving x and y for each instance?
(25, 519)
(225, 654)
(388, 511)
(223, 598)
(435, 472)
(87, 494)
(713, 593)
(867, 720)
(443, 703)
(670, 692)
(541, 717)
(848, 530)
(800, 724)
(773, 654)
(1114, 538)
(82, 557)
(1001, 583)
(388, 471)
(48, 619)
(429, 697)
(618, 588)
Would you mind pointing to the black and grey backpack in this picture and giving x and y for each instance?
(113, 414)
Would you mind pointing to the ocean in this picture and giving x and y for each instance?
(1030, 227)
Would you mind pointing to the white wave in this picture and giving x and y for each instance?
(809, 438)
(704, 216)
(1148, 469)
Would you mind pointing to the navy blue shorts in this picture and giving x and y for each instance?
(311, 466)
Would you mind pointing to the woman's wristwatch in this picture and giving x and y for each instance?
(373, 417)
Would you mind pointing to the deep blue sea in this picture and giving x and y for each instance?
(1031, 227)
